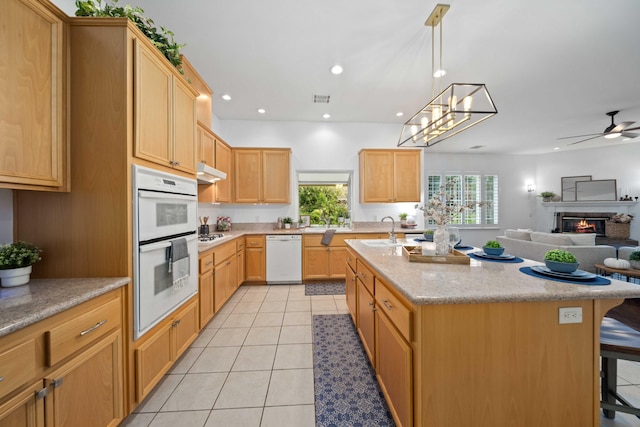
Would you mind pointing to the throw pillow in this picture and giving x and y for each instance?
(583, 239)
(518, 234)
(551, 239)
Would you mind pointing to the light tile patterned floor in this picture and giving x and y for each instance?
(253, 366)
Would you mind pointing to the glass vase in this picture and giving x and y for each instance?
(441, 239)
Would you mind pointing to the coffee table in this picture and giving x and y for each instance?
(603, 270)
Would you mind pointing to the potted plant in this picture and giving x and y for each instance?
(428, 235)
(634, 260)
(493, 247)
(15, 263)
(403, 217)
(547, 196)
(561, 261)
(287, 221)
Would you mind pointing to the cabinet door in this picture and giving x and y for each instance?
(240, 264)
(33, 105)
(185, 328)
(24, 410)
(95, 378)
(153, 107)
(153, 358)
(407, 176)
(275, 176)
(376, 176)
(366, 308)
(337, 261)
(223, 163)
(247, 167)
(184, 127)
(206, 297)
(255, 264)
(350, 285)
(220, 285)
(315, 262)
(206, 146)
(393, 358)
(232, 275)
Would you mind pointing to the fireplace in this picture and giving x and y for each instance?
(582, 222)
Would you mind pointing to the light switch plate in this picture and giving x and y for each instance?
(570, 315)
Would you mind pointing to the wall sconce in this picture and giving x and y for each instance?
(531, 188)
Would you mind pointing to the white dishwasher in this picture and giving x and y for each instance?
(284, 258)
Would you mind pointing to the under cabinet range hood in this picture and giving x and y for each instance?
(209, 175)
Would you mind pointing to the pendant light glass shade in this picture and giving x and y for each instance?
(458, 107)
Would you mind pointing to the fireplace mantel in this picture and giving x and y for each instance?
(588, 204)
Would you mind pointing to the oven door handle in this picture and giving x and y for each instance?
(155, 195)
(161, 245)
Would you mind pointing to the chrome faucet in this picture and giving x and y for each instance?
(392, 235)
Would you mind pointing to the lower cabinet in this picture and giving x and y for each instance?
(351, 292)
(158, 353)
(24, 410)
(205, 288)
(93, 378)
(255, 259)
(324, 262)
(225, 274)
(366, 320)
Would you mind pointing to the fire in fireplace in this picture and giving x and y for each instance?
(582, 222)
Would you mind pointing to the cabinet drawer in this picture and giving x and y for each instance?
(206, 263)
(17, 366)
(239, 245)
(351, 260)
(254, 242)
(365, 275)
(395, 309)
(69, 337)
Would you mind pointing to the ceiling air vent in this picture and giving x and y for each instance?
(321, 99)
(476, 147)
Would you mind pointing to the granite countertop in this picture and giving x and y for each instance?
(230, 235)
(22, 306)
(478, 282)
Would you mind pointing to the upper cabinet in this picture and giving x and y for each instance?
(34, 139)
(389, 176)
(216, 153)
(261, 175)
(165, 113)
(203, 102)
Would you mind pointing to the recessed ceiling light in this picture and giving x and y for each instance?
(336, 69)
(439, 73)
(399, 114)
(261, 110)
(556, 148)
(326, 115)
(226, 97)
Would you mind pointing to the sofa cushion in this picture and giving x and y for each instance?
(518, 234)
(583, 239)
(551, 239)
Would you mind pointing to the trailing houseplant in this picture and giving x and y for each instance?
(161, 38)
(16, 260)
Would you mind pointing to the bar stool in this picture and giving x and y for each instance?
(617, 341)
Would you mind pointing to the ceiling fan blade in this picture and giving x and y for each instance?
(588, 139)
(620, 127)
(635, 128)
(581, 136)
(626, 134)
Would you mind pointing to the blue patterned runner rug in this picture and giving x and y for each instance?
(347, 393)
(335, 288)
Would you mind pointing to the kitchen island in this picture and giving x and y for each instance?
(478, 344)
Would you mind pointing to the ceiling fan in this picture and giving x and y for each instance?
(611, 131)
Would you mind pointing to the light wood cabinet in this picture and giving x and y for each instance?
(324, 262)
(261, 175)
(351, 289)
(255, 259)
(223, 163)
(389, 176)
(162, 346)
(34, 139)
(226, 272)
(203, 102)
(165, 125)
(366, 320)
(240, 261)
(66, 370)
(215, 152)
(205, 288)
(206, 146)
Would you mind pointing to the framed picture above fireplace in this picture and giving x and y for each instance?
(569, 186)
(596, 190)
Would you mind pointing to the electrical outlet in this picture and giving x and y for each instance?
(570, 315)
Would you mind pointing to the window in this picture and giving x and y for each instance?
(325, 196)
(469, 189)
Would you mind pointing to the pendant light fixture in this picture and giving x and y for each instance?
(458, 107)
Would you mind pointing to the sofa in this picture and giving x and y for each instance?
(535, 244)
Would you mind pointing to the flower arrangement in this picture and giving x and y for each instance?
(18, 255)
(440, 208)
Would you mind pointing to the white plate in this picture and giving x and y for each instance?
(576, 275)
(503, 257)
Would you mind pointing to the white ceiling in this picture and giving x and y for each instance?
(553, 67)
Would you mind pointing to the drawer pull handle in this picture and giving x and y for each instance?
(387, 305)
(93, 328)
(1, 379)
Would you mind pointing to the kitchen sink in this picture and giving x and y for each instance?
(379, 243)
